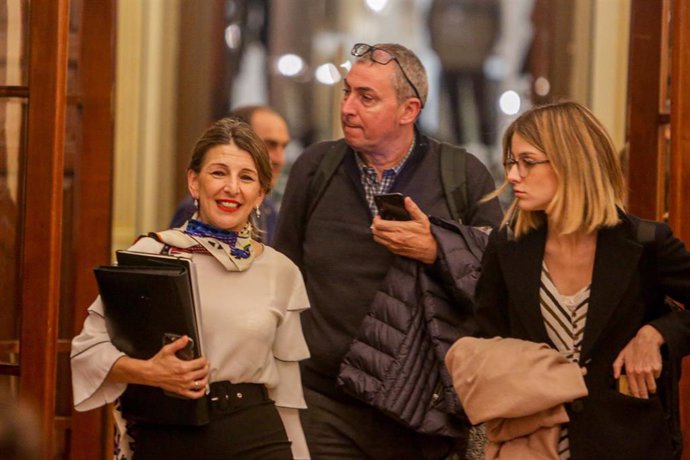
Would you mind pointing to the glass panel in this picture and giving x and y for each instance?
(12, 134)
(14, 23)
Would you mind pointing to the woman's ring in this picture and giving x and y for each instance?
(196, 384)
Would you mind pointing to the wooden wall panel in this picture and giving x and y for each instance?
(645, 166)
(202, 95)
(550, 54)
(43, 169)
(93, 179)
(679, 187)
(679, 208)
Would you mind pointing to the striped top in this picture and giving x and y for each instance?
(564, 319)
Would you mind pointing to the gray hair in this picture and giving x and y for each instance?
(413, 68)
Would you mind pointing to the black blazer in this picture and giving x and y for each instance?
(629, 282)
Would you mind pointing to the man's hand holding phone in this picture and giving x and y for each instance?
(409, 238)
(391, 206)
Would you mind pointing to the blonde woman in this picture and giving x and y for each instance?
(569, 267)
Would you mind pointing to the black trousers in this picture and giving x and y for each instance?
(245, 424)
(338, 431)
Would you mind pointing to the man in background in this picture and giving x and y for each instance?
(273, 130)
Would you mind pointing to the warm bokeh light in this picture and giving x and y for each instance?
(376, 5)
(233, 36)
(542, 86)
(509, 102)
(290, 65)
(327, 74)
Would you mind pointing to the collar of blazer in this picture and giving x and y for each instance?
(615, 266)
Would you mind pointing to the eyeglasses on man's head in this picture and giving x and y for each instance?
(383, 57)
(524, 165)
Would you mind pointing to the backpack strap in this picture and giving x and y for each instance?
(329, 164)
(453, 159)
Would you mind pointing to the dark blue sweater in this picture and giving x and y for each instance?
(342, 265)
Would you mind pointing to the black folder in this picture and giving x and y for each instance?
(142, 303)
(143, 259)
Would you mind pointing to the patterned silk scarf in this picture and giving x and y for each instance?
(232, 249)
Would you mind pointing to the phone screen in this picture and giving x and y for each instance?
(391, 206)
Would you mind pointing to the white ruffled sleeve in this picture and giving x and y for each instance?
(91, 359)
(93, 354)
(289, 348)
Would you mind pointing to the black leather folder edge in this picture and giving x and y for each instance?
(141, 304)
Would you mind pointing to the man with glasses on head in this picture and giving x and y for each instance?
(331, 229)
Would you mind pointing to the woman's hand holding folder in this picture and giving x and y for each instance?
(165, 370)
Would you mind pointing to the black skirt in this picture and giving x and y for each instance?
(245, 424)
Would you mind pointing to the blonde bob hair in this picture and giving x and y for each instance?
(582, 155)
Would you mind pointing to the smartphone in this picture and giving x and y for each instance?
(185, 354)
(391, 206)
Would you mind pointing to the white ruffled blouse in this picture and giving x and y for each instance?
(250, 328)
